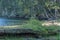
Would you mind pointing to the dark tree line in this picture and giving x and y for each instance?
(30, 8)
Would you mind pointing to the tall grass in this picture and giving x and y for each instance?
(36, 25)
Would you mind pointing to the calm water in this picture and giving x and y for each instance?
(7, 22)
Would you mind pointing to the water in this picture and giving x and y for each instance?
(9, 22)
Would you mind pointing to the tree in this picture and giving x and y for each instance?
(52, 4)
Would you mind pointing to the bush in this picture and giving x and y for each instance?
(36, 25)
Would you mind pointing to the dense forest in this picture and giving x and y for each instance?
(30, 8)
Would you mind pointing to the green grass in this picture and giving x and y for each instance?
(37, 26)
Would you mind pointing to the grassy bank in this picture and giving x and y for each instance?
(35, 25)
(48, 32)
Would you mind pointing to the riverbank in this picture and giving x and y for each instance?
(35, 25)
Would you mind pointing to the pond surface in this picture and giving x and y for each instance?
(9, 22)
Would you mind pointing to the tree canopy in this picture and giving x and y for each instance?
(26, 8)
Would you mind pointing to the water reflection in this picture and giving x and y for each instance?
(6, 22)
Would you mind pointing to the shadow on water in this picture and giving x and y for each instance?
(20, 37)
(28, 38)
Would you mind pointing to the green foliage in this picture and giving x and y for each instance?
(31, 7)
(36, 25)
(26, 10)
